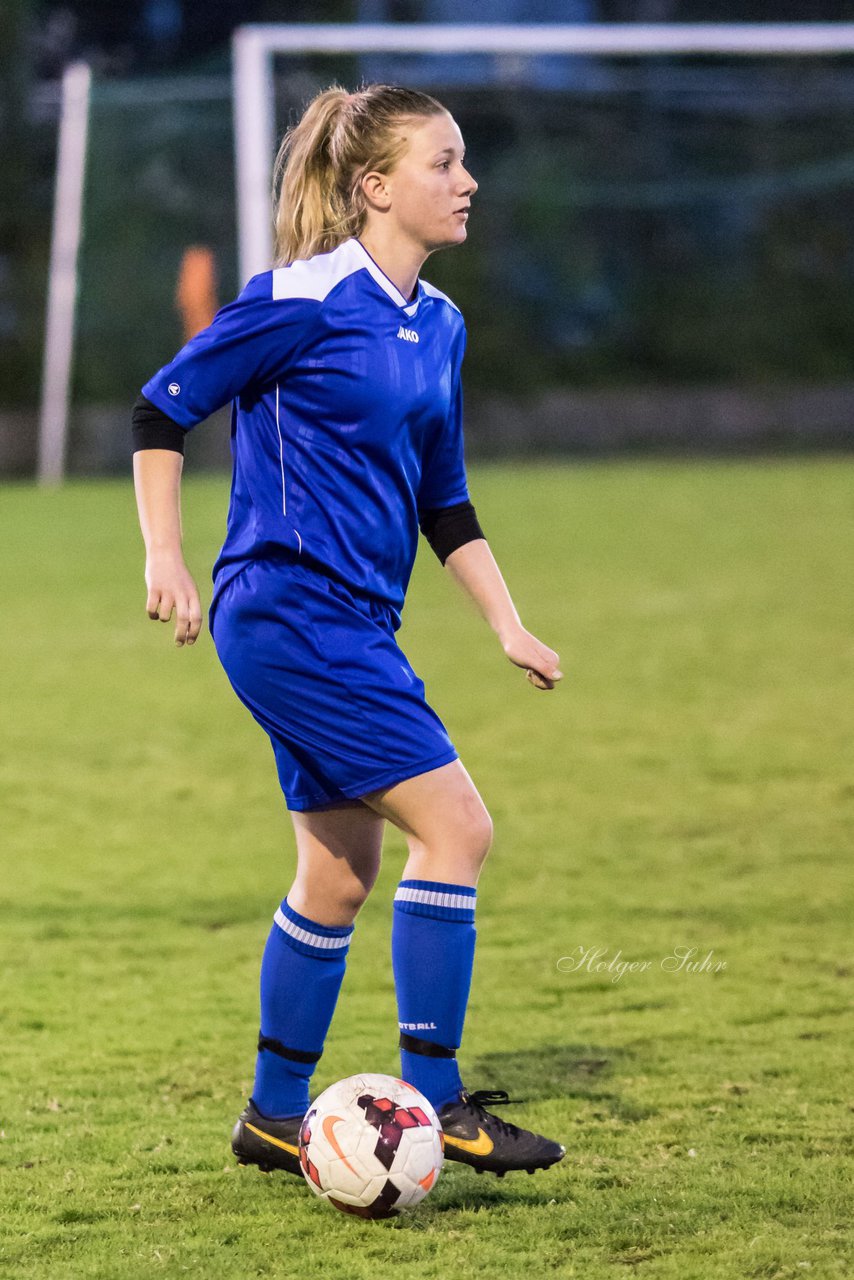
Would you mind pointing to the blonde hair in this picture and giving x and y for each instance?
(340, 137)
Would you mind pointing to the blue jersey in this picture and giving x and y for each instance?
(346, 422)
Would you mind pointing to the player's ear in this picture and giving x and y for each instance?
(375, 187)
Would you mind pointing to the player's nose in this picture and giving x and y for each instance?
(469, 184)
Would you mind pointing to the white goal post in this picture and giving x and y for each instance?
(62, 273)
(254, 46)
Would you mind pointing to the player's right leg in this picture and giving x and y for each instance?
(449, 834)
(338, 859)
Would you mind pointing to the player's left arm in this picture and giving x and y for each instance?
(473, 566)
(449, 522)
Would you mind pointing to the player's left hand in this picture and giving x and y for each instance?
(542, 664)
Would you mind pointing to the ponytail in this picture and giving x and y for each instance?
(321, 161)
(310, 211)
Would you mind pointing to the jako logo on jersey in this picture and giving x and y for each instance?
(173, 388)
(408, 335)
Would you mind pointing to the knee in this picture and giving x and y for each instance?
(351, 897)
(333, 900)
(487, 834)
(352, 890)
(327, 906)
(477, 833)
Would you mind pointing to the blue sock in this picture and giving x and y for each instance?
(301, 975)
(432, 948)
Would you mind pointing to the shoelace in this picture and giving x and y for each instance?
(482, 1098)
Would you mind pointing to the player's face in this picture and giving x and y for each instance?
(430, 188)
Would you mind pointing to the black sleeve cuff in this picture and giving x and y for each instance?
(447, 528)
(153, 429)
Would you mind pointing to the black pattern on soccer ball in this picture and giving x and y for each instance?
(391, 1121)
(380, 1207)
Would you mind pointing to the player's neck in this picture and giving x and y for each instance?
(400, 260)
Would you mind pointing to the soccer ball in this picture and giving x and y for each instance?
(371, 1145)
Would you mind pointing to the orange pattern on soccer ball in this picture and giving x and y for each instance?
(329, 1123)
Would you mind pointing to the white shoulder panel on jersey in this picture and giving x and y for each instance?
(316, 277)
(437, 293)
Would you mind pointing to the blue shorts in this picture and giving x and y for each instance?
(322, 673)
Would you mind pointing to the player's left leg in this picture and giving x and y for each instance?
(338, 858)
(449, 834)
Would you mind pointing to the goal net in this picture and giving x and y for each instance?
(670, 208)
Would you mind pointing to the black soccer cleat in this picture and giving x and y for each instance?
(270, 1144)
(491, 1145)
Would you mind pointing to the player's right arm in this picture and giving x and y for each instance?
(157, 481)
(250, 342)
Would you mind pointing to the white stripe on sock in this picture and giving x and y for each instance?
(435, 899)
(303, 935)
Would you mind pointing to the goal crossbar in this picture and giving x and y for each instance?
(254, 46)
(628, 39)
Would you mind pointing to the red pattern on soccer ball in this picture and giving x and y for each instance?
(391, 1126)
(310, 1169)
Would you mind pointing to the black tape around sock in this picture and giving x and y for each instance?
(294, 1055)
(426, 1047)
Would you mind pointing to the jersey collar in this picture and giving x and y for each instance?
(387, 286)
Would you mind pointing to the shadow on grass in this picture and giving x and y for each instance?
(462, 1190)
(552, 1071)
(548, 1072)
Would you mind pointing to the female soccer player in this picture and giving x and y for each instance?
(344, 369)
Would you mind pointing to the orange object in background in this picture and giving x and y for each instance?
(195, 296)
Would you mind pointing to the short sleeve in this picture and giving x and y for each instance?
(443, 472)
(250, 342)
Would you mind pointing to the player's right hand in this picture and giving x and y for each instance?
(171, 586)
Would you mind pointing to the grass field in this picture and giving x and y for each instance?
(689, 784)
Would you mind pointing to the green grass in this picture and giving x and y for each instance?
(689, 784)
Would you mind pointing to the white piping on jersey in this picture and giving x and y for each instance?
(433, 292)
(316, 277)
(282, 467)
(281, 454)
(388, 286)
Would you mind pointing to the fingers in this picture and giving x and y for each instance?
(182, 622)
(540, 663)
(188, 620)
(187, 607)
(195, 619)
(551, 664)
(547, 673)
(159, 605)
